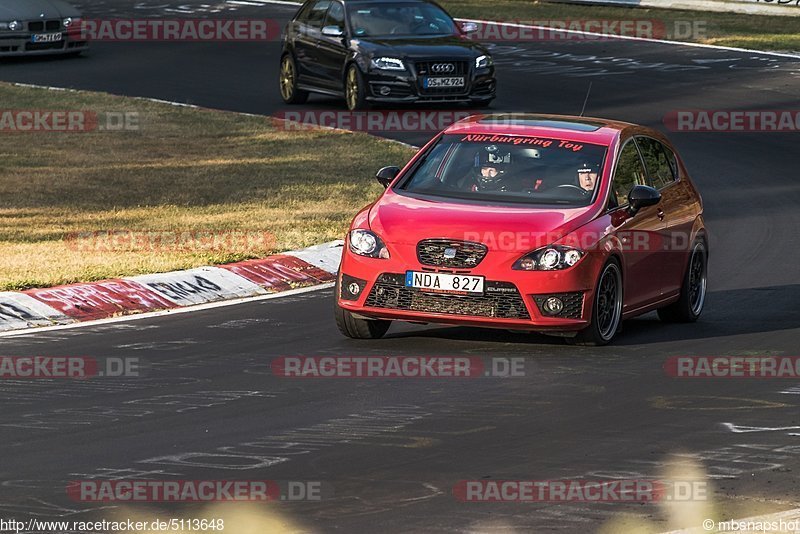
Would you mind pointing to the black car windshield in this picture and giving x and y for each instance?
(399, 19)
(503, 168)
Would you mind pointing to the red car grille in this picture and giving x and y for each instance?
(439, 253)
(500, 300)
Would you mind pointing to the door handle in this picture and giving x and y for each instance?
(660, 214)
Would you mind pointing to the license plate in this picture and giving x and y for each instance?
(430, 83)
(445, 283)
(46, 37)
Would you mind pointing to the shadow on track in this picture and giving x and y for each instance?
(727, 313)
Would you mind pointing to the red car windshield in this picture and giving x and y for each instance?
(502, 168)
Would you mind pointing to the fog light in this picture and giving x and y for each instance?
(553, 306)
(385, 90)
(351, 287)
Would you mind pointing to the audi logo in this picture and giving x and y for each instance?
(442, 68)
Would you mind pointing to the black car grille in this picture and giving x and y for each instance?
(467, 254)
(500, 300)
(57, 45)
(44, 25)
(428, 68)
(573, 305)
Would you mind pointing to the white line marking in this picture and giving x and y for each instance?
(623, 37)
(632, 38)
(147, 315)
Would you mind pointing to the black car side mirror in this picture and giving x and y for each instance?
(386, 175)
(642, 196)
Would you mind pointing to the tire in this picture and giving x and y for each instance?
(356, 328)
(355, 90)
(287, 80)
(690, 305)
(606, 309)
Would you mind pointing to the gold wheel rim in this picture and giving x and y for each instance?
(287, 78)
(352, 88)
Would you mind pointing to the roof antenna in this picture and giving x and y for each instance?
(589, 92)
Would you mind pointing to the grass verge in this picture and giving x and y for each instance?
(180, 170)
(761, 32)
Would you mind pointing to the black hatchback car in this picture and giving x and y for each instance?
(383, 51)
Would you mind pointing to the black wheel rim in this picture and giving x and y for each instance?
(697, 280)
(609, 302)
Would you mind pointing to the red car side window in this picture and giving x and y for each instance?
(630, 171)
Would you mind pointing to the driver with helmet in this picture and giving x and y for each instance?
(489, 170)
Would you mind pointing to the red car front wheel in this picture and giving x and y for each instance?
(606, 309)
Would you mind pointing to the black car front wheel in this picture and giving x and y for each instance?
(288, 80)
(355, 91)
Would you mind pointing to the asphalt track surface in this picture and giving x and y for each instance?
(392, 450)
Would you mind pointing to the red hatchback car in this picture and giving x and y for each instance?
(554, 224)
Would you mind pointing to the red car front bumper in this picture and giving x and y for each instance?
(509, 300)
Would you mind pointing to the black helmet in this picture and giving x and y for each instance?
(493, 157)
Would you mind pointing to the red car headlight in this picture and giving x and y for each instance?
(552, 258)
(368, 244)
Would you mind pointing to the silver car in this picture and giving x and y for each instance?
(36, 27)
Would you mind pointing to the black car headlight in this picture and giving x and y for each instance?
(14, 25)
(552, 258)
(482, 62)
(388, 63)
(368, 244)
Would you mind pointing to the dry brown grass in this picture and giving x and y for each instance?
(182, 170)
